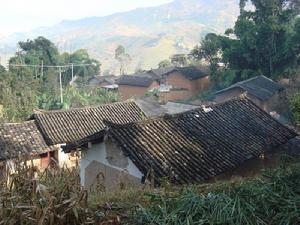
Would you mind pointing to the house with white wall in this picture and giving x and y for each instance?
(185, 148)
(61, 127)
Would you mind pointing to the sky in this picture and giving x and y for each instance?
(25, 15)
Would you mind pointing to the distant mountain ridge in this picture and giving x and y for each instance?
(148, 34)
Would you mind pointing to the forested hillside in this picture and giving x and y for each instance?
(149, 34)
(29, 87)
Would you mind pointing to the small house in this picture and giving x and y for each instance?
(264, 92)
(61, 127)
(25, 140)
(185, 148)
(42, 137)
(136, 85)
(179, 83)
(102, 81)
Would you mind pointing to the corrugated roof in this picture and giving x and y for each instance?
(260, 86)
(21, 139)
(200, 144)
(65, 126)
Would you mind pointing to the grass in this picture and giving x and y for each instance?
(273, 199)
(55, 197)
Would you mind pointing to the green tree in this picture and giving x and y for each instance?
(22, 89)
(164, 63)
(179, 60)
(295, 107)
(264, 37)
(264, 40)
(210, 51)
(122, 57)
(90, 67)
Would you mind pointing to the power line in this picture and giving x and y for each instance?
(50, 66)
(60, 67)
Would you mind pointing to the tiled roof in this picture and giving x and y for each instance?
(135, 80)
(190, 72)
(65, 126)
(21, 139)
(200, 144)
(151, 107)
(260, 86)
(100, 79)
(159, 72)
(193, 72)
(175, 107)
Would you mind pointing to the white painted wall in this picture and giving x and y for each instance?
(62, 157)
(98, 152)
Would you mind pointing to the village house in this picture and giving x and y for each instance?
(42, 137)
(102, 81)
(179, 83)
(171, 83)
(136, 85)
(62, 127)
(264, 92)
(152, 108)
(185, 148)
(25, 140)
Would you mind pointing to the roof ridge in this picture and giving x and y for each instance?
(173, 116)
(19, 123)
(41, 111)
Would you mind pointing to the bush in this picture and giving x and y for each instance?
(272, 200)
(295, 107)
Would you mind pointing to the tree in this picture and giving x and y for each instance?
(295, 107)
(209, 49)
(22, 89)
(90, 67)
(164, 63)
(179, 60)
(264, 40)
(264, 34)
(122, 57)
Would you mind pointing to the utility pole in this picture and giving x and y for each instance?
(72, 68)
(42, 69)
(36, 72)
(60, 86)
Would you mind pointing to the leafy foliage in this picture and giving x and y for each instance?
(264, 40)
(25, 88)
(122, 57)
(164, 63)
(272, 200)
(295, 107)
(179, 60)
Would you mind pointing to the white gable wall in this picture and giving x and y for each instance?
(110, 155)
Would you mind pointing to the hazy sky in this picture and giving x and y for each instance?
(22, 15)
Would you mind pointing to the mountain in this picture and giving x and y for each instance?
(148, 34)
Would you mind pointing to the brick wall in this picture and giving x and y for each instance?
(226, 95)
(278, 102)
(184, 88)
(127, 91)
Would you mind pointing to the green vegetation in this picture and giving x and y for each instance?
(55, 197)
(122, 57)
(295, 107)
(24, 89)
(264, 40)
(273, 199)
(164, 63)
